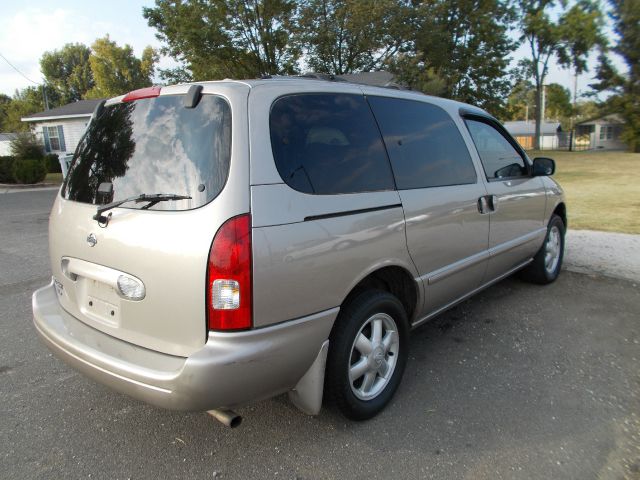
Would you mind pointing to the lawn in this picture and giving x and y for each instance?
(602, 189)
(53, 178)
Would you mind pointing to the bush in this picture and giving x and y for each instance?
(31, 170)
(7, 170)
(53, 164)
(26, 146)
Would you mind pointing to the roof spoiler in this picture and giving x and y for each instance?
(98, 110)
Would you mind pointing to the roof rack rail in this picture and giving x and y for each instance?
(329, 77)
(322, 76)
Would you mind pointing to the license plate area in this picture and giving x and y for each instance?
(99, 301)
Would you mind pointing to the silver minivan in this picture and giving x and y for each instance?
(219, 243)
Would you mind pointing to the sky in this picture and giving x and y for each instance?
(31, 27)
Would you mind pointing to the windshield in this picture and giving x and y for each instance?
(154, 145)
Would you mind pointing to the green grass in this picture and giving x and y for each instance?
(53, 178)
(602, 189)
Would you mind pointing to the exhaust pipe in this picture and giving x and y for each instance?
(227, 417)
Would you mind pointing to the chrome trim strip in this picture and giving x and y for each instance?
(444, 272)
(516, 242)
(456, 267)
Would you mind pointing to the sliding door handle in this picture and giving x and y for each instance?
(488, 204)
(483, 205)
(492, 200)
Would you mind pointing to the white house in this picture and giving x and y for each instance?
(60, 129)
(602, 133)
(5, 143)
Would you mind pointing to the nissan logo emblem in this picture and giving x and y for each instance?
(92, 240)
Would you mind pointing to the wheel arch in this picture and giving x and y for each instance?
(561, 210)
(394, 279)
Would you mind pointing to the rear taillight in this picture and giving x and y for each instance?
(229, 295)
(148, 92)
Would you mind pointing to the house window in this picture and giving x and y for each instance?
(606, 132)
(54, 138)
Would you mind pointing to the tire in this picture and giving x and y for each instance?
(380, 318)
(547, 263)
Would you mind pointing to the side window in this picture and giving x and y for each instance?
(424, 144)
(499, 158)
(327, 144)
(54, 139)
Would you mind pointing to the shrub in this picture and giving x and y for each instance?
(26, 146)
(53, 164)
(7, 170)
(31, 170)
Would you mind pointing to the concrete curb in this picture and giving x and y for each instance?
(22, 186)
(29, 188)
(614, 255)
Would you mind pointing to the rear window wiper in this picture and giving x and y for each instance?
(151, 200)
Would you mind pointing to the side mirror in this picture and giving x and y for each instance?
(543, 167)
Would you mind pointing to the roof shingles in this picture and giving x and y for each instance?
(81, 108)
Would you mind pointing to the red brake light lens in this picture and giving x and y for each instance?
(229, 295)
(148, 92)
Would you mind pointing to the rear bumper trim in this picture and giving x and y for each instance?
(229, 370)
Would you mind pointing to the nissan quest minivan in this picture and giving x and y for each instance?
(219, 243)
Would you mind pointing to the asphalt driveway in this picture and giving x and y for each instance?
(521, 381)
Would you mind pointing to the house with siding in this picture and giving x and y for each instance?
(602, 133)
(60, 129)
(5, 143)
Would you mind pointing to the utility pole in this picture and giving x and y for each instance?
(544, 102)
(44, 97)
(542, 113)
(572, 134)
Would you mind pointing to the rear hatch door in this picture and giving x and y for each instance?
(150, 146)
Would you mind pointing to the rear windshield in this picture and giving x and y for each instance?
(154, 145)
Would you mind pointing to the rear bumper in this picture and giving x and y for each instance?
(231, 368)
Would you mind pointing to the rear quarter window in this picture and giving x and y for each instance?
(328, 144)
(424, 144)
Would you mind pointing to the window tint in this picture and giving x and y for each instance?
(328, 143)
(424, 144)
(154, 145)
(499, 158)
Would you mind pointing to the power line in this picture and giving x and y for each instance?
(12, 66)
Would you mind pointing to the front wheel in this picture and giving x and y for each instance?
(367, 354)
(547, 263)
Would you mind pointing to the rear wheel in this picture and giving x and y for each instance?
(547, 263)
(367, 354)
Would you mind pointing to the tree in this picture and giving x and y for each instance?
(625, 87)
(558, 103)
(462, 46)
(5, 100)
(116, 70)
(520, 103)
(26, 146)
(25, 102)
(216, 39)
(341, 37)
(559, 38)
(68, 70)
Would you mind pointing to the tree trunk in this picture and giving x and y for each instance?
(536, 140)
